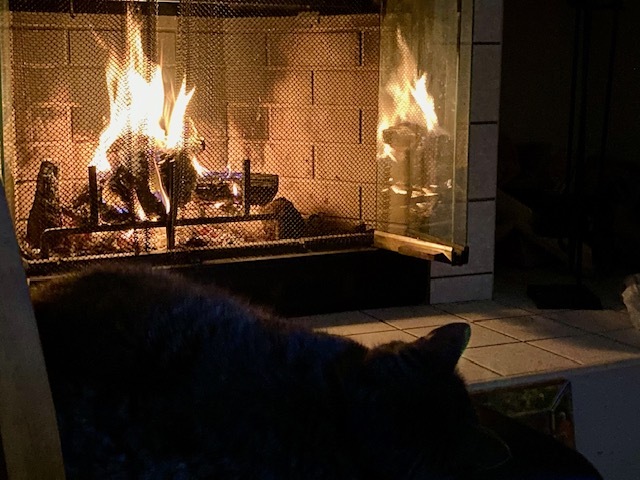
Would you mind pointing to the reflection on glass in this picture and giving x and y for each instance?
(422, 112)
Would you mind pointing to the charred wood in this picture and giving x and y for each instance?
(217, 186)
(185, 175)
(288, 221)
(45, 211)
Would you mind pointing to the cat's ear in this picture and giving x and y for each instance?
(444, 344)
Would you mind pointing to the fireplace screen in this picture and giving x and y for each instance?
(234, 128)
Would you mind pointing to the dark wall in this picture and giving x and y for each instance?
(536, 71)
(538, 51)
(625, 112)
(536, 76)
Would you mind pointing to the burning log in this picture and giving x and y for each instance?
(404, 136)
(218, 186)
(45, 210)
(130, 180)
(133, 180)
(288, 222)
(185, 175)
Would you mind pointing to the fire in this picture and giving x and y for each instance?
(141, 109)
(405, 99)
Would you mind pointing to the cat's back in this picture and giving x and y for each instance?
(136, 356)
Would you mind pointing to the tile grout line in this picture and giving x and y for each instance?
(483, 367)
(577, 362)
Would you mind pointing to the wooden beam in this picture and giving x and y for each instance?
(27, 415)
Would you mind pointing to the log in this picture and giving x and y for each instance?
(186, 176)
(217, 186)
(129, 178)
(288, 222)
(45, 211)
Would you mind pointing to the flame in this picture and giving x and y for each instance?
(140, 107)
(139, 210)
(405, 98)
(200, 170)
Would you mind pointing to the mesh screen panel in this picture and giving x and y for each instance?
(141, 130)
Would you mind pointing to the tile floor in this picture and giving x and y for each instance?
(510, 337)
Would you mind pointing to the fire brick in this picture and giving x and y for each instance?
(166, 48)
(88, 121)
(41, 47)
(25, 191)
(371, 49)
(248, 122)
(337, 49)
(369, 125)
(352, 163)
(88, 86)
(41, 85)
(32, 155)
(291, 160)
(204, 49)
(45, 122)
(315, 124)
(348, 88)
(91, 48)
(244, 49)
(246, 84)
(290, 88)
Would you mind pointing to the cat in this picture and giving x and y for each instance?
(155, 377)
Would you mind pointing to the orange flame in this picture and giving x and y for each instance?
(405, 98)
(139, 105)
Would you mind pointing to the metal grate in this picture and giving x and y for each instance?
(276, 147)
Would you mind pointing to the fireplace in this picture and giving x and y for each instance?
(192, 133)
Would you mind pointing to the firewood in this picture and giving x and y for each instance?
(129, 178)
(185, 172)
(45, 210)
(217, 186)
(288, 222)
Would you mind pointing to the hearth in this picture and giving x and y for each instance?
(198, 132)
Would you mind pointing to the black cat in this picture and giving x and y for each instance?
(154, 377)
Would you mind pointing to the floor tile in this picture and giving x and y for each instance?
(482, 310)
(471, 372)
(588, 349)
(629, 336)
(343, 323)
(535, 327)
(514, 299)
(594, 321)
(516, 358)
(412, 316)
(480, 336)
(378, 338)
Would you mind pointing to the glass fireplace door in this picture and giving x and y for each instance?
(423, 128)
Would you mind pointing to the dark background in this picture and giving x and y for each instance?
(537, 165)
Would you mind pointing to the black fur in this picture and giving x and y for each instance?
(154, 377)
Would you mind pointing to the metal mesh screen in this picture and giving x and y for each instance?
(147, 128)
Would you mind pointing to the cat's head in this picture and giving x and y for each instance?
(411, 413)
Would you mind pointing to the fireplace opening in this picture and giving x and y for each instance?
(188, 132)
